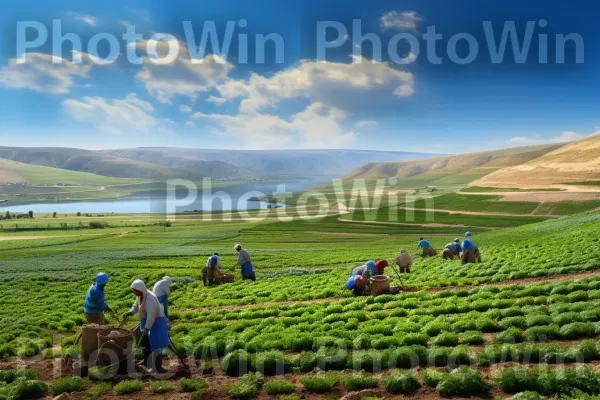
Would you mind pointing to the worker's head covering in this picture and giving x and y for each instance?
(350, 283)
(237, 246)
(456, 240)
(468, 234)
(380, 266)
(139, 284)
(216, 254)
(403, 251)
(420, 238)
(371, 267)
(168, 279)
(359, 282)
(101, 278)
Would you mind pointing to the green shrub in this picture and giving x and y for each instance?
(585, 351)
(289, 397)
(567, 318)
(10, 375)
(99, 373)
(518, 322)
(446, 339)
(432, 377)
(246, 387)
(98, 390)
(538, 320)
(511, 335)
(578, 330)
(514, 380)
(529, 395)
(189, 385)
(161, 387)
(279, 386)
(543, 333)
(236, 363)
(23, 388)
(472, 337)
(129, 386)
(460, 381)
(358, 381)
(400, 382)
(321, 383)
(67, 385)
(268, 363)
(435, 328)
(487, 325)
(411, 339)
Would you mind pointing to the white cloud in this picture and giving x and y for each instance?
(86, 19)
(191, 124)
(184, 108)
(529, 140)
(365, 123)
(40, 74)
(180, 77)
(404, 21)
(318, 126)
(117, 116)
(316, 81)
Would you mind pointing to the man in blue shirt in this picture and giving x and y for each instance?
(94, 304)
(428, 251)
(470, 252)
(452, 249)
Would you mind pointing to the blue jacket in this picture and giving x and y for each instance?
(455, 247)
(424, 244)
(467, 244)
(94, 300)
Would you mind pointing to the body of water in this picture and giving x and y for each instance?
(225, 198)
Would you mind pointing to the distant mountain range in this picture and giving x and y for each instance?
(195, 164)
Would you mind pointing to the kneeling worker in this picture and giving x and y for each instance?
(470, 252)
(428, 251)
(366, 271)
(162, 290)
(153, 325)
(404, 261)
(356, 283)
(452, 249)
(94, 304)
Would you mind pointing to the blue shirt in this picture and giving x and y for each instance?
(467, 244)
(455, 247)
(94, 300)
(424, 244)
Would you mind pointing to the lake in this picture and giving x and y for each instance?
(224, 198)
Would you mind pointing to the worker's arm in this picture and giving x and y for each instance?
(99, 294)
(134, 309)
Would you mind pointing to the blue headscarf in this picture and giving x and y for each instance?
(371, 267)
(350, 283)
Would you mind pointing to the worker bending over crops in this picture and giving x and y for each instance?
(366, 271)
(404, 261)
(470, 252)
(357, 284)
(153, 325)
(452, 249)
(244, 262)
(211, 270)
(428, 251)
(94, 304)
(162, 290)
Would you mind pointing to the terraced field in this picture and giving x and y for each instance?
(525, 319)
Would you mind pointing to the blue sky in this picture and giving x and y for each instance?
(302, 102)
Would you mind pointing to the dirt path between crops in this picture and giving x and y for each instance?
(500, 214)
(524, 281)
(431, 225)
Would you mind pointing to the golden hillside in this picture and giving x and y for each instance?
(575, 162)
(471, 164)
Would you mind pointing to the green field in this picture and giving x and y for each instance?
(483, 189)
(479, 203)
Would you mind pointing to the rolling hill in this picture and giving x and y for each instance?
(271, 162)
(575, 162)
(456, 169)
(100, 163)
(35, 175)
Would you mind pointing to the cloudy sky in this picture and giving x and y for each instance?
(350, 99)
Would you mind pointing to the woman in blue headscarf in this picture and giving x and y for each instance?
(94, 304)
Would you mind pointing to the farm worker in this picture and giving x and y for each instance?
(452, 249)
(380, 266)
(244, 262)
(356, 283)
(363, 270)
(404, 261)
(94, 304)
(162, 290)
(153, 325)
(211, 269)
(470, 252)
(427, 249)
